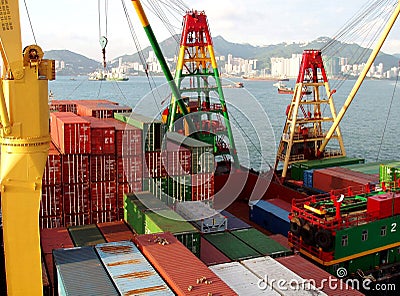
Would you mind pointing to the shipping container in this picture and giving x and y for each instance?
(170, 221)
(177, 159)
(182, 271)
(86, 235)
(282, 279)
(135, 206)
(76, 198)
(128, 139)
(279, 238)
(102, 136)
(130, 168)
(210, 255)
(202, 216)
(152, 131)
(297, 169)
(231, 246)
(130, 271)
(70, 133)
(270, 217)
(261, 242)
(125, 188)
(52, 170)
(51, 202)
(77, 219)
(339, 178)
(179, 188)
(241, 280)
(55, 238)
(51, 221)
(75, 168)
(47, 289)
(389, 172)
(157, 186)
(154, 165)
(63, 106)
(102, 168)
(115, 231)
(80, 272)
(203, 186)
(103, 196)
(100, 109)
(202, 156)
(308, 178)
(284, 205)
(234, 223)
(320, 277)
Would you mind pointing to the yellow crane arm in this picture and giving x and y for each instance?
(361, 78)
(24, 140)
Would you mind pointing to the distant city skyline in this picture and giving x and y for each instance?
(74, 24)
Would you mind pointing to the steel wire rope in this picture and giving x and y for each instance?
(30, 22)
(388, 114)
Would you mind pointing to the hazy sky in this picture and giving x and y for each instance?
(74, 24)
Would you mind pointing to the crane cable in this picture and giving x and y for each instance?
(388, 114)
(30, 22)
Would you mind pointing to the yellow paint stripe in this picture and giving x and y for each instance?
(181, 57)
(328, 263)
(140, 12)
(212, 56)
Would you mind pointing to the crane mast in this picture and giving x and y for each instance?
(24, 140)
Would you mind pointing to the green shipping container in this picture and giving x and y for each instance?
(297, 169)
(231, 246)
(389, 172)
(135, 206)
(152, 129)
(170, 221)
(261, 242)
(180, 188)
(86, 235)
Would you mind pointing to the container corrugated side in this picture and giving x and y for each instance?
(55, 238)
(183, 272)
(261, 242)
(309, 271)
(231, 246)
(115, 231)
(86, 235)
(282, 279)
(241, 280)
(280, 239)
(129, 269)
(80, 272)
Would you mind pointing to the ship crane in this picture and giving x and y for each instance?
(24, 139)
(306, 137)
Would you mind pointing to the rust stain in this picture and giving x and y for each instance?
(116, 249)
(132, 261)
(145, 290)
(138, 274)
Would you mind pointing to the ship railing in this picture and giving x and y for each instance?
(298, 244)
(332, 153)
(292, 158)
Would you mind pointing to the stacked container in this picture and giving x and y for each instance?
(51, 207)
(99, 108)
(389, 172)
(86, 235)
(102, 171)
(190, 167)
(71, 134)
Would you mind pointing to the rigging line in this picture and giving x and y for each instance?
(106, 11)
(388, 114)
(141, 55)
(30, 23)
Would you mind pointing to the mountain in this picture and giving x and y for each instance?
(77, 64)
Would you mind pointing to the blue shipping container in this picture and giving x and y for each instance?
(129, 269)
(234, 223)
(308, 178)
(80, 272)
(270, 217)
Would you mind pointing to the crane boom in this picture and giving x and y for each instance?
(24, 140)
(361, 78)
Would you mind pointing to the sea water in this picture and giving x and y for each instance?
(370, 127)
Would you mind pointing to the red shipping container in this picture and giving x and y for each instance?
(51, 222)
(77, 219)
(102, 136)
(63, 106)
(123, 188)
(202, 186)
(210, 255)
(102, 168)
(129, 169)
(177, 159)
(103, 196)
(384, 205)
(104, 216)
(155, 166)
(179, 267)
(128, 139)
(100, 109)
(115, 231)
(76, 198)
(279, 238)
(75, 168)
(52, 170)
(56, 238)
(51, 202)
(70, 133)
